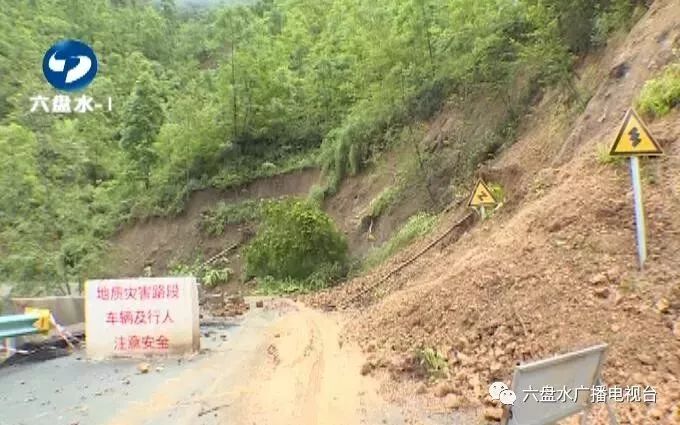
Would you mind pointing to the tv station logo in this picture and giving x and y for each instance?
(69, 66)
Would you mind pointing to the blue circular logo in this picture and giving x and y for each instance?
(70, 65)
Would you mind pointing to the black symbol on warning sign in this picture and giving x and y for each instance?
(482, 196)
(634, 137)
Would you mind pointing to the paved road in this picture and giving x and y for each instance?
(277, 365)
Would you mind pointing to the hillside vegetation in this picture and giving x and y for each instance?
(217, 97)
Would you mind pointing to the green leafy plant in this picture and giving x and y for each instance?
(661, 94)
(180, 269)
(270, 286)
(316, 195)
(498, 192)
(619, 15)
(322, 278)
(433, 363)
(296, 240)
(208, 275)
(214, 277)
(416, 226)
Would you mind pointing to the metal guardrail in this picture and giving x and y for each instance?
(17, 325)
(32, 322)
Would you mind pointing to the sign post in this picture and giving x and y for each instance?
(640, 229)
(635, 140)
(481, 198)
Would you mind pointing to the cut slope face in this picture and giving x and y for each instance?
(159, 241)
(556, 270)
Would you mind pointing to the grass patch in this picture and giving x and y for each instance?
(213, 277)
(271, 286)
(661, 94)
(604, 158)
(316, 195)
(385, 199)
(416, 227)
(215, 220)
(325, 277)
(255, 169)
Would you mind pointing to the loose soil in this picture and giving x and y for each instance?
(555, 269)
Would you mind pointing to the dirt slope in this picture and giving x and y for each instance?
(555, 270)
(350, 207)
(158, 241)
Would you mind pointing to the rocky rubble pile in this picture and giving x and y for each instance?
(220, 305)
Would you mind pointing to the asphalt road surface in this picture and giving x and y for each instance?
(281, 364)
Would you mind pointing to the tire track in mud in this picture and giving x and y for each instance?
(290, 370)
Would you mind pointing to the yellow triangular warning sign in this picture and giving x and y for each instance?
(634, 139)
(481, 196)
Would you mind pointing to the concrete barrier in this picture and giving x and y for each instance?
(68, 310)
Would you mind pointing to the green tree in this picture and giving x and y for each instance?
(207, 96)
(142, 119)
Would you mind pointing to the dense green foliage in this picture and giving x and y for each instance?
(223, 95)
(295, 240)
(659, 95)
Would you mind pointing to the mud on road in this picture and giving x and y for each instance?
(281, 364)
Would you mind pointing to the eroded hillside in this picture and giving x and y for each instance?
(555, 269)
(159, 243)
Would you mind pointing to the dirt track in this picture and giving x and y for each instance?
(281, 364)
(300, 374)
(290, 371)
